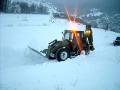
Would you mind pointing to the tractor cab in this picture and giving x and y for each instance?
(71, 35)
(78, 40)
(75, 38)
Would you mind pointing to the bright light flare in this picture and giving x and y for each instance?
(75, 14)
(68, 14)
(73, 27)
(79, 41)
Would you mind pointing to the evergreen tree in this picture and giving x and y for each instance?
(24, 7)
(3, 5)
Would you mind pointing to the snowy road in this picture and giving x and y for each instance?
(22, 69)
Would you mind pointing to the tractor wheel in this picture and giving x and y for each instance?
(62, 54)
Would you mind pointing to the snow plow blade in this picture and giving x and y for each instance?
(38, 52)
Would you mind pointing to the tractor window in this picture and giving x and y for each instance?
(71, 37)
(67, 36)
(78, 34)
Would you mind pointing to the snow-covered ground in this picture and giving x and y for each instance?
(22, 69)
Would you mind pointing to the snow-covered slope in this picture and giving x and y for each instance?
(22, 69)
(94, 12)
(50, 6)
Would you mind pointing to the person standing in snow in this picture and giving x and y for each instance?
(88, 38)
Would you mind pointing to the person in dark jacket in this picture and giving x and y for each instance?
(88, 36)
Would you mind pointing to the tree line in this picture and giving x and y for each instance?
(7, 6)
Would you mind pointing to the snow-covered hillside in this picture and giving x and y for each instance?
(37, 3)
(22, 69)
(94, 12)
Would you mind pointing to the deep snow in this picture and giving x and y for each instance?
(22, 69)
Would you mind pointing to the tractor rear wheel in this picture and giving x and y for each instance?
(62, 54)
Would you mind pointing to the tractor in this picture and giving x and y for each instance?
(73, 42)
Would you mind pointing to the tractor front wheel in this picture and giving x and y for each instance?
(62, 54)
